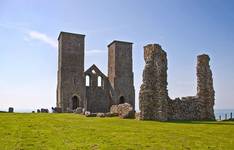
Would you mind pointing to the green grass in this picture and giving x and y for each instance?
(71, 131)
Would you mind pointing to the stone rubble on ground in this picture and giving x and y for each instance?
(123, 110)
(78, 110)
(101, 115)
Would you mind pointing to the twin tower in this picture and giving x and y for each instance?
(91, 89)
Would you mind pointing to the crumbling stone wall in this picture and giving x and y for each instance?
(205, 89)
(186, 108)
(153, 92)
(155, 103)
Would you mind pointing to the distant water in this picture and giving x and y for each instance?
(222, 112)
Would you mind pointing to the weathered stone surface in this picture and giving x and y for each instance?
(153, 95)
(186, 108)
(205, 89)
(11, 110)
(137, 115)
(71, 80)
(78, 110)
(69, 110)
(89, 114)
(120, 72)
(101, 115)
(114, 109)
(123, 110)
(97, 94)
(155, 103)
(76, 88)
(109, 114)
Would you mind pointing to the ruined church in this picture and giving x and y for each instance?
(97, 93)
(91, 89)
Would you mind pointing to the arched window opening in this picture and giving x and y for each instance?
(99, 81)
(121, 100)
(87, 80)
(75, 102)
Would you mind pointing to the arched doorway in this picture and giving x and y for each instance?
(121, 100)
(75, 102)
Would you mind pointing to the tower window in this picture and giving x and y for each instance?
(87, 80)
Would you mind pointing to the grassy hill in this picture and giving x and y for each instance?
(71, 131)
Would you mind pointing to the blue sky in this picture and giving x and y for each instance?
(184, 28)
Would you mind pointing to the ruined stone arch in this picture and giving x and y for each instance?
(121, 100)
(75, 101)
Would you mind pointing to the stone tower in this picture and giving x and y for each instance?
(153, 95)
(205, 89)
(120, 72)
(71, 80)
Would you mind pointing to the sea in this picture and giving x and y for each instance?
(222, 112)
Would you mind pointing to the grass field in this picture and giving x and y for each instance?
(71, 131)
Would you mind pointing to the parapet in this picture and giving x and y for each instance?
(116, 41)
(68, 33)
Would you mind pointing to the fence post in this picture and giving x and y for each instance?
(231, 115)
(225, 116)
(220, 117)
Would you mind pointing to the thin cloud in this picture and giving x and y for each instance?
(35, 35)
(95, 51)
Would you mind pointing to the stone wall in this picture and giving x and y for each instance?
(97, 96)
(155, 103)
(153, 92)
(186, 108)
(205, 89)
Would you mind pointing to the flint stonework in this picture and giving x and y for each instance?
(155, 103)
(123, 110)
(153, 92)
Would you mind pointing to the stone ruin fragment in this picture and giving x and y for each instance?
(155, 103)
(123, 110)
